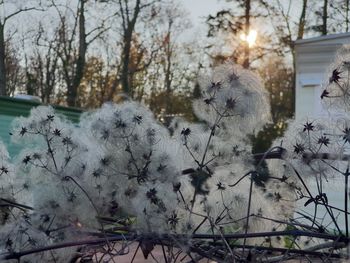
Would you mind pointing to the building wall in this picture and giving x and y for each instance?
(313, 66)
(313, 59)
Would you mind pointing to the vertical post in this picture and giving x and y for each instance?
(246, 62)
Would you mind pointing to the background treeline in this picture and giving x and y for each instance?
(82, 53)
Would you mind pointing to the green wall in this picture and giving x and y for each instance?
(10, 108)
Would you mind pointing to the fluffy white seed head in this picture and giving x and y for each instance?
(235, 92)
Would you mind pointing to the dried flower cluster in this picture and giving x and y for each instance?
(336, 93)
(316, 152)
(121, 174)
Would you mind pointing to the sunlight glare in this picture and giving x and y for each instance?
(251, 38)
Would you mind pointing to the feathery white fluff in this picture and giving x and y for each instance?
(119, 160)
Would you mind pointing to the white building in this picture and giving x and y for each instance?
(313, 58)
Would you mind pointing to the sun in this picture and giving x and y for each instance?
(251, 38)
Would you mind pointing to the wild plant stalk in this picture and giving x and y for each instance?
(168, 238)
(139, 194)
(212, 236)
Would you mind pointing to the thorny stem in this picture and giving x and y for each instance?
(287, 223)
(136, 250)
(248, 210)
(251, 192)
(201, 164)
(294, 232)
(212, 133)
(164, 254)
(51, 152)
(227, 245)
(192, 155)
(320, 227)
(346, 174)
(240, 179)
(18, 255)
(322, 156)
(128, 149)
(307, 155)
(91, 201)
(200, 224)
(165, 238)
(14, 204)
(323, 202)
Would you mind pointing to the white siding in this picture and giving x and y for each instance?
(313, 59)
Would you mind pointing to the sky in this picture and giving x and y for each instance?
(199, 9)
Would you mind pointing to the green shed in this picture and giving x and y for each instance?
(11, 108)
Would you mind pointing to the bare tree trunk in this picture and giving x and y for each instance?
(302, 20)
(301, 28)
(246, 31)
(80, 61)
(129, 27)
(347, 15)
(3, 88)
(324, 18)
(294, 81)
(124, 78)
(167, 78)
(31, 83)
(74, 63)
(50, 76)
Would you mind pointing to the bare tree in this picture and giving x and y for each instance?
(74, 45)
(43, 64)
(128, 30)
(338, 18)
(14, 70)
(321, 17)
(130, 12)
(96, 83)
(3, 22)
(302, 20)
(324, 17)
(237, 21)
(280, 12)
(174, 20)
